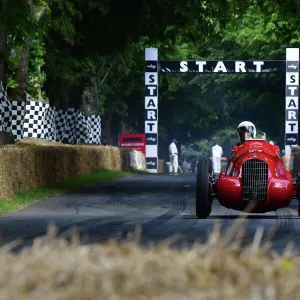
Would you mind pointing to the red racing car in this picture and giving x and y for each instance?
(255, 174)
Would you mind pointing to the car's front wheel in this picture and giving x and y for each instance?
(203, 188)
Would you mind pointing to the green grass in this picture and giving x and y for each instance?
(26, 198)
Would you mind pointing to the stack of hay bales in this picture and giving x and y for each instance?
(32, 164)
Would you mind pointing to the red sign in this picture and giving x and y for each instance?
(133, 141)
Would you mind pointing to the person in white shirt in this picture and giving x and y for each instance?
(217, 153)
(173, 152)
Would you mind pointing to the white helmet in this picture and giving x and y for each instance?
(246, 127)
(272, 143)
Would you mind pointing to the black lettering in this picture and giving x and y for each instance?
(292, 126)
(292, 103)
(151, 79)
(151, 126)
(151, 103)
(293, 80)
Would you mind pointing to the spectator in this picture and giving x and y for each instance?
(217, 152)
(193, 164)
(185, 166)
(173, 153)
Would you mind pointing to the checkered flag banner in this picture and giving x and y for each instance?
(33, 119)
(60, 124)
(5, 111)
(95, 135)
(17, 122)
(83, 129)
(69, 135)
(49, 123)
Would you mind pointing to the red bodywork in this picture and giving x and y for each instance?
(280, 187)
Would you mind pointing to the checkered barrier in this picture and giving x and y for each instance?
(18, 116)
(32, 119)
(5, 111)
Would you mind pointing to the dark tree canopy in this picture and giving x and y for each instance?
(91, 54)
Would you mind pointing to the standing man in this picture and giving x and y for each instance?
(173, 152)
(217, 152)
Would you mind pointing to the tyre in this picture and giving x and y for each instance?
(203, 188)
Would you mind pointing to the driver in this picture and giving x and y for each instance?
(246, 130)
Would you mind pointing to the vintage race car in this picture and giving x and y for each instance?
(255, 176)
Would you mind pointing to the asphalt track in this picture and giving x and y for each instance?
(161, 205)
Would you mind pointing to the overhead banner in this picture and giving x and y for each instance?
(219, 66)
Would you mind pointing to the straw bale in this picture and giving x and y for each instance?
(35, 164)
(38, 142)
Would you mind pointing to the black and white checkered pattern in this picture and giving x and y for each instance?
(32, 119)
(5, 111)
(60, 124)
(18, 115)
(83, 128)
(49, 123)
(69, 135)
(95, 123)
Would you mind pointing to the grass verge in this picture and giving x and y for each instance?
(26, 198)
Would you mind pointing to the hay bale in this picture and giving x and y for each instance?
(38, 142)
(31, 165)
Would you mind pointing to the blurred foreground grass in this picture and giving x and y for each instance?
(25, 198)
(219, 269)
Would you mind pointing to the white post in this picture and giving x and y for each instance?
(291, 99)
(151, 108)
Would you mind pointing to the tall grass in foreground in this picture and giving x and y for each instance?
(54, 268)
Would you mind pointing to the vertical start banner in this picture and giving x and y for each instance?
(291, 99)
(151, 109)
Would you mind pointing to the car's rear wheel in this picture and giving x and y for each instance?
(203, 188)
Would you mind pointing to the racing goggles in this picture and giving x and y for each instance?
(243, 129)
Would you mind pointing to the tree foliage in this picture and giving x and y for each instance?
(75, 45)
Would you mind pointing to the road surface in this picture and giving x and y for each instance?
(162, 205)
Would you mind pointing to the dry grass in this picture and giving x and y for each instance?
(55, 269)
(31, 165)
